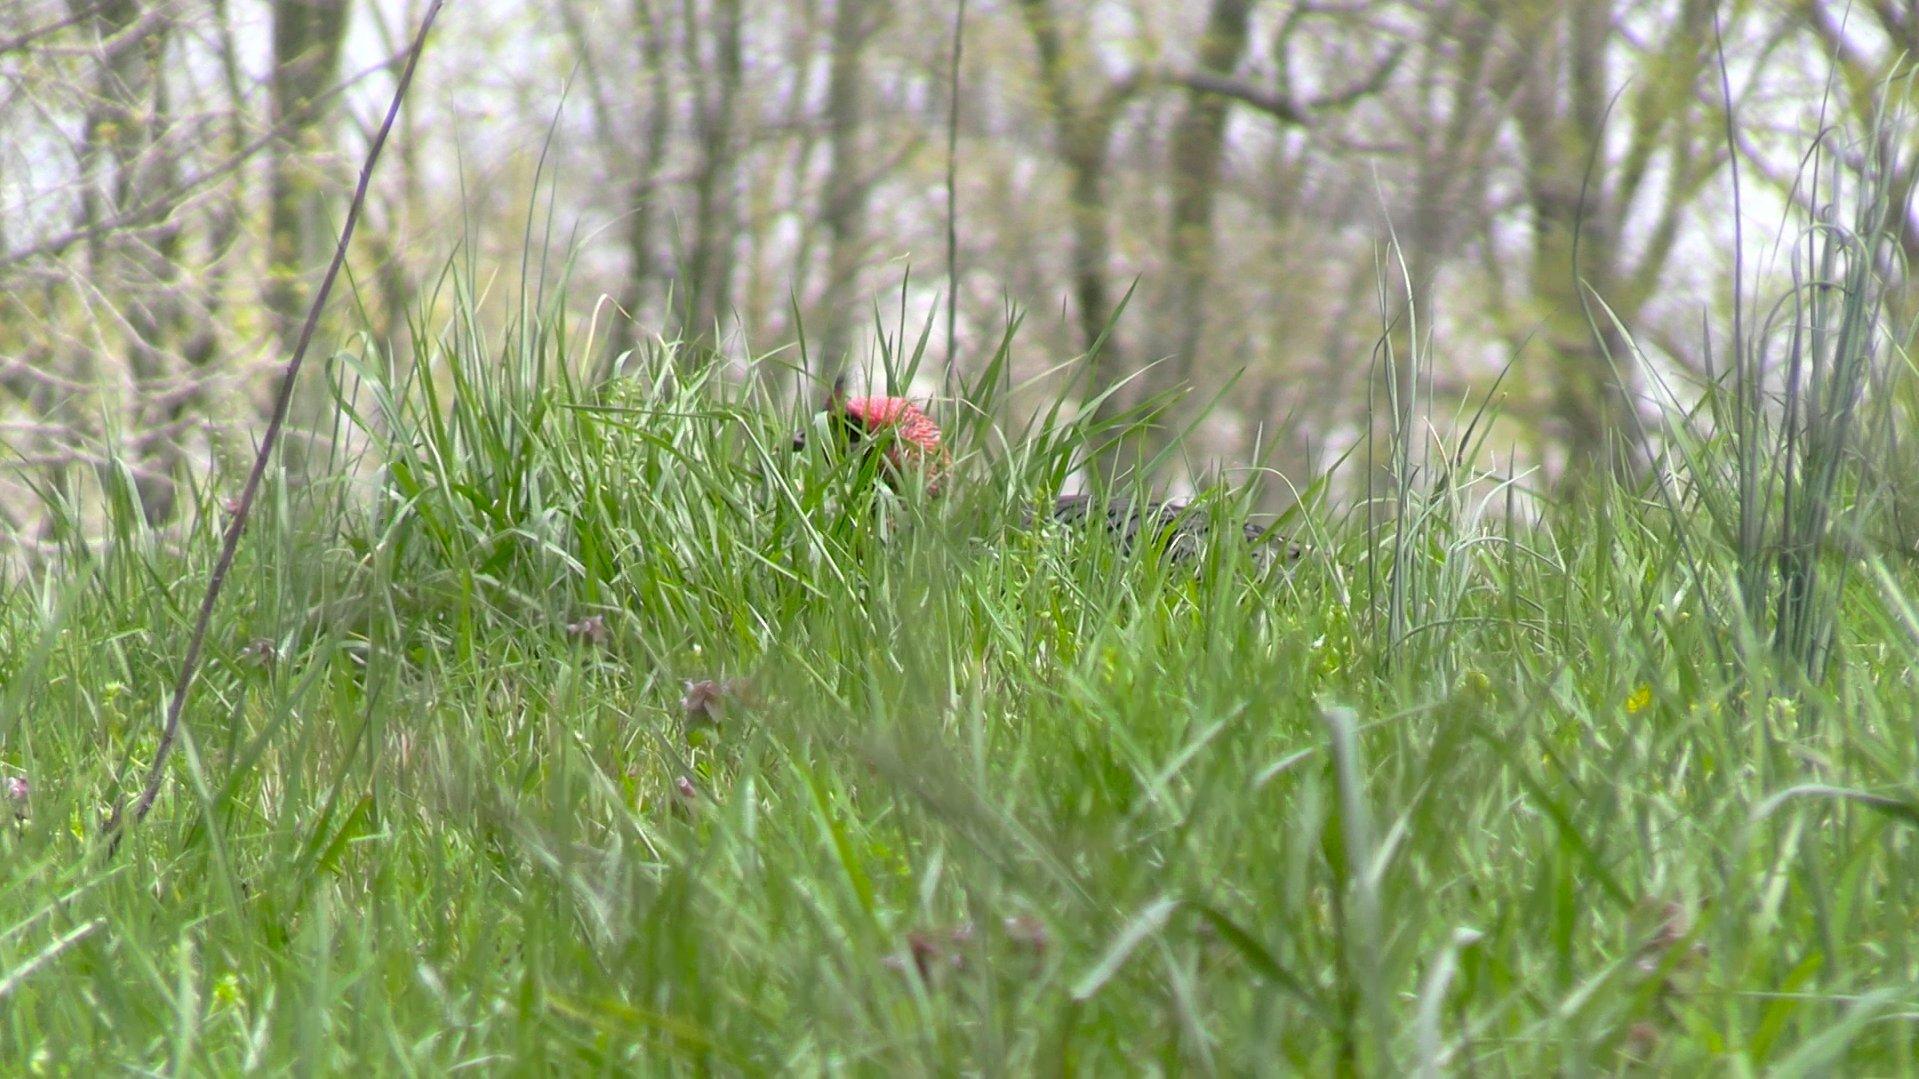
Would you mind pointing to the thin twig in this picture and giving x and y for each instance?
(283, 398)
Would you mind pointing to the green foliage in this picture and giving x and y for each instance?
(962, 795)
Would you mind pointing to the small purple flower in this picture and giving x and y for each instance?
(588, 630)
(260, 652)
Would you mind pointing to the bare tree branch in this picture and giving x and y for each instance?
(159, 206)
(28, 38)
(1278, 104)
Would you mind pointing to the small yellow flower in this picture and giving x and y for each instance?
(1477, 684)
(1638, 699)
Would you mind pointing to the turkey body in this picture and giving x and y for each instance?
(1183, 531)
(910, 448)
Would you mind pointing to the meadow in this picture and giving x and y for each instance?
(583, 725)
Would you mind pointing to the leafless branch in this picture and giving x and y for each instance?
(159, 206)
(27, 38)
(1258, 98)
(1280, 105)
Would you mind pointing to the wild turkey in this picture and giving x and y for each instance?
(1181, 529)
(911, 443)
(906, 436)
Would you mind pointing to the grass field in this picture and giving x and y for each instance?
(1629, 786)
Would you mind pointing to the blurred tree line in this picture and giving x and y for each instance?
(1286, 189)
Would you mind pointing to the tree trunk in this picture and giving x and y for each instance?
(644, 183)
(1452, 118)
(1083, 137)
(710, 267)
(844, 211)
(1561, 109)
(140, 264)
(1197, 147)
(307, 39)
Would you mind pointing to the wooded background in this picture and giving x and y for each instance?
(1277, 182)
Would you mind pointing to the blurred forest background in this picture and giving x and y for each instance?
(1275, 182)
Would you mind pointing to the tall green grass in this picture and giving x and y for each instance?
(1459, 791)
